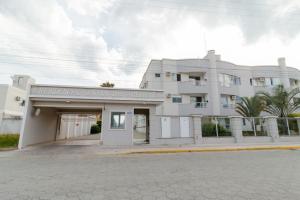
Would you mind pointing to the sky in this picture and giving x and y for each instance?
(88, 42)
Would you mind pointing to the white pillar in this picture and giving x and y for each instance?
(272, 128)
(236, 128)
(214, 96)
(283, 73)
(298, 123)
(1, 118)
(197, 128)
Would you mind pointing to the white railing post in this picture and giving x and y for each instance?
(197, 128)
(236, 128)
(298, 123)
(288, 126)
(272, 128)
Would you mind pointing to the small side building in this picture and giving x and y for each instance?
(46, 104)
(12, 103)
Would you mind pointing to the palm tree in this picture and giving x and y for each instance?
(250, 106)
(107, 84)
(282, 102)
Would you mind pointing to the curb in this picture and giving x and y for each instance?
(8, 149)
(169, 151)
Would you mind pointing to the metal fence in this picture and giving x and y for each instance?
(288, 126)
(254, 126)
(216, 127)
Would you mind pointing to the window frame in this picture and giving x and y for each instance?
(177, 98)
(119, 120)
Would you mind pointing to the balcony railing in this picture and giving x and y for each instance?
(193, 86)
(201, 105)
(228, 106)
(197, 82)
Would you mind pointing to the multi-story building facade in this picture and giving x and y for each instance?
(211, 86)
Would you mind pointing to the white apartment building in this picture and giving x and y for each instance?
(211, 86)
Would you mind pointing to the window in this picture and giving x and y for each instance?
(157, 75)
(176, 77)
(276, 81)
(228, 80)
(244, 122)
(177, 99)
(117, 120)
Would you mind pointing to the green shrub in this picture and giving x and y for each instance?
(294, 115)
(209, 130)
(9, 140)
(95, 129)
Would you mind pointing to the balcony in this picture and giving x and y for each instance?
(193, 87)
(198, 108)
(228, 110)
(268, 89)
(230, 90)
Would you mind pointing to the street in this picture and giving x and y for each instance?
(78, 172)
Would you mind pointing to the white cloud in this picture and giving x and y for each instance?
(113, 40)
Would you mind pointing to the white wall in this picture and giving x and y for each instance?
(38, 129)
(10, 126)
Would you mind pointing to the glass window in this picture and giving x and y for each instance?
(178, 77)
(177, 99)
(157, 75)
(276, 81)
(268, 82)
(117, 120)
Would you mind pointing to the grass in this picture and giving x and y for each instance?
(9, 141)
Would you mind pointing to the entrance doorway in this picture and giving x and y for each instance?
(141, 126)
(78, 126)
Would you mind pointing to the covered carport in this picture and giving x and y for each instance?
(46, 103)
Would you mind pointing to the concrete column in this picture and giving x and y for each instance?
(236, 128)
(272, 128)
(214, 96)
(298, 123)
(1, 117)
(197, 128)
(284, 73)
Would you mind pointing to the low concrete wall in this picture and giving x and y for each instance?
(218, 140)
(172, 141)
(289, 139)
(10, 126)
(259, 139)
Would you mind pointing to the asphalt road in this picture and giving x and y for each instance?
(74, 172)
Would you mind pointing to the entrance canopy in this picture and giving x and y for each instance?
(45, 102)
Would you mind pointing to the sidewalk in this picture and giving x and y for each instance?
(148, 149)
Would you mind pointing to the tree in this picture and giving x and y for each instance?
(250, 106)
(282, 102)
(107, 84)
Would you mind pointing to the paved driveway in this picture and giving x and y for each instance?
(78, 172)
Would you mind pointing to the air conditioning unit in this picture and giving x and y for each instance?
(233, 97)
(168, 74)
(169, 95)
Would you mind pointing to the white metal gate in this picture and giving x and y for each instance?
(165, 127)
(184, 126)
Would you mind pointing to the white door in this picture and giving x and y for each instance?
(165, 127)
(184, 126)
